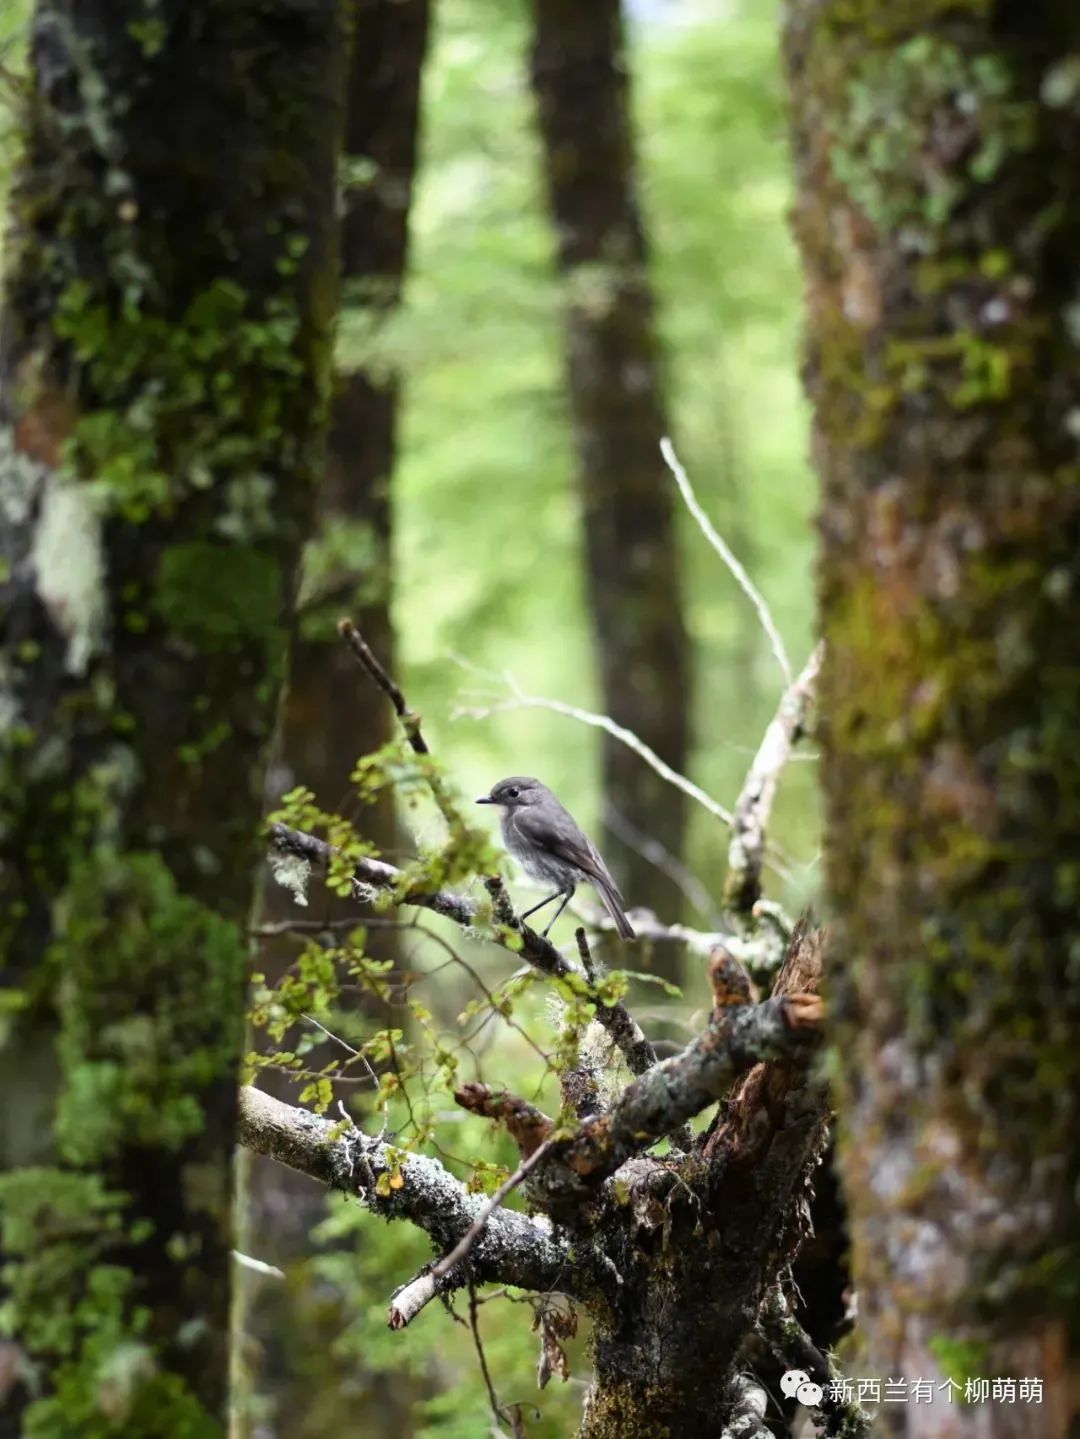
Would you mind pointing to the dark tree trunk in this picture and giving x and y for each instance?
(613, 372)
(328, 719)
(938, 149)
(170, 287)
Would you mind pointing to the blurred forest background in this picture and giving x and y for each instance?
(487, 577)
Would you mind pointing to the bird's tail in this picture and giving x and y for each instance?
(612, 901)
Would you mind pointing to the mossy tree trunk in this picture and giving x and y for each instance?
(939, 215)
(170, 286)
(328, 719)
(579, 75)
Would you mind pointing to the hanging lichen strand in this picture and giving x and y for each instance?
(169, 292)
(937, 148)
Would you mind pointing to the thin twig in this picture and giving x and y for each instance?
(258, 1266)
(745, 583)
(358, 1054)
(476, 1228)
(410, 720)
(606, 723)
(654, 853)
(585, 955)
(475, 1327)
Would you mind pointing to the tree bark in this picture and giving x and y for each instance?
(938, 213)
(328, 720)
(170, 286)
(579, 79)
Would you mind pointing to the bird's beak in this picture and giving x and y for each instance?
(486, 800)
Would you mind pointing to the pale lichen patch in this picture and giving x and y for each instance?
(69, 567)
(292, 872)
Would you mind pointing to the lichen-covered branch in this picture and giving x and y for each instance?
(512, 1249)
(784, 1027)
(793, 1347)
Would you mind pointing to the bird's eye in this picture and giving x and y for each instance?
(513, 792)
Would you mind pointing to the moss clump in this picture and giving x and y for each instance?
(220, 596)
(909, 114)
(69, 1293)
(149, 985)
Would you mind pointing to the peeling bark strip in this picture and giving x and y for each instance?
(170, 283)
(579, 76)
(937, 150)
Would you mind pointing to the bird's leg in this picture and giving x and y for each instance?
(541, 905)
(567, 896)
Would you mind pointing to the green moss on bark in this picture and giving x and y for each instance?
(169, 291)
(937, 216)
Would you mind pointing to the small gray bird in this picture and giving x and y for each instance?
(551, 847)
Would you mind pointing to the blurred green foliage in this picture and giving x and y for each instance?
(488, 547)
(488, 564)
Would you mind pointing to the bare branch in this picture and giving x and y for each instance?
(410, 720)
(258, 1266)
(742, 579)
(511, 1249)
(473, 1233)
(777, 860)
(356, 1053)
(654, 853)
(407, 1302)
(536, 950)
(762, 952)
(746, 854)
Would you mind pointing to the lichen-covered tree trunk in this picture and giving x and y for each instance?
(328, 720)
(937, 149)
(579, 78)
(170, 285)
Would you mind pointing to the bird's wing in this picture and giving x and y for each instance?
(575, 848)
